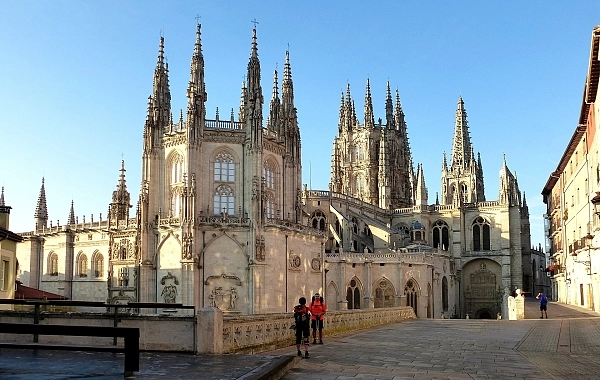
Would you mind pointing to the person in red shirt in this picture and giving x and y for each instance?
(317, 309)
(301, 319)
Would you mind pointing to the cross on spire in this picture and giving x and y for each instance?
(198, 17)
(254, 22)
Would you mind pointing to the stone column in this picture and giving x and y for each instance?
(209, 331)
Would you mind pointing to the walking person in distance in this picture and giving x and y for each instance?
(543, 304)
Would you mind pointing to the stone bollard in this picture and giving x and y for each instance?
(209, 327)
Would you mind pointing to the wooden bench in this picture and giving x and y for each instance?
(131, 337)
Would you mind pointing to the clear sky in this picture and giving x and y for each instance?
(75, 77)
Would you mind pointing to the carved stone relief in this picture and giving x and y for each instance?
(169, 291)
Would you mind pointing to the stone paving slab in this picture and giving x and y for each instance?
(67, 365)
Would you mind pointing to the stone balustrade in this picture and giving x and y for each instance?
(259, 333)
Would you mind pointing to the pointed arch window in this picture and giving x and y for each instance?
(464, 192)
(53, 264)
(384, 294)
(318, 220)
(176, 198)
(410, 291)
(176, 168)
(223, 200)
(441, 235)
(445, 293)
(81, 265)
(481, 235)
(353, 295)
(270, 205)
(269, 174)
(224, 167)
(98, 264)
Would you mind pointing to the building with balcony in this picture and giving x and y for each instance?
(571, 197)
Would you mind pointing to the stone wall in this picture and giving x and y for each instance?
(158, 332)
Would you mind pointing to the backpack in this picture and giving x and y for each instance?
(543, 300)
(301, 314)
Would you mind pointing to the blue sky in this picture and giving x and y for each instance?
(75, 77)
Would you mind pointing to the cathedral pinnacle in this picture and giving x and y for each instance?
(71, 219)
(369, 117)
(2, 197)
(389, 108)
(461, 149)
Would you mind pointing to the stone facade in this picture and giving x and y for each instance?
(222, 219)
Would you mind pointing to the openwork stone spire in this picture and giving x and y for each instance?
(71, 219)
(119, 207)
(462, 151)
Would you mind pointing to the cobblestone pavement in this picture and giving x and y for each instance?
(564, 346)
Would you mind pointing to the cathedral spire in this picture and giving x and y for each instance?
(287, 87)
(389, 108)
(2, 197)
(369, 118)
(273, 122)
(348, 121)
(119, 207)
(196, 91)
(421, 190)
(71, 219)
(342, 114)
(254, 97)
(161, 94)
(399, 116)
(41, 210)
(461, 147)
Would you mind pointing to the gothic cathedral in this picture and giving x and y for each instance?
(222, 218)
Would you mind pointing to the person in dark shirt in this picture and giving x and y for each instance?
(543, 304)
(302, 321)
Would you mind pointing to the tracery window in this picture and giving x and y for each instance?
(464, 192)
(384, 294)
(224, 167)
(176, 168)
(353, 295)
(53, 264)
(270, 205)
(269, 174)
(481, 235)
(224, 200)
(98, 264)
(318, 220)
(410, 291)
(441, 235)
(81, 265)
(176, 197)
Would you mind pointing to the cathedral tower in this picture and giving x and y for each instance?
(463, 181)
(372, 161)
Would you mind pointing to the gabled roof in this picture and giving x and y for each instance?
(26, 293)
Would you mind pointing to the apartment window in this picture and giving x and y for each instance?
(5, 274)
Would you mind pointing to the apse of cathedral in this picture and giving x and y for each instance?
(223, 220)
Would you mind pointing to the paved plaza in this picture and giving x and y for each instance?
(564, 346)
